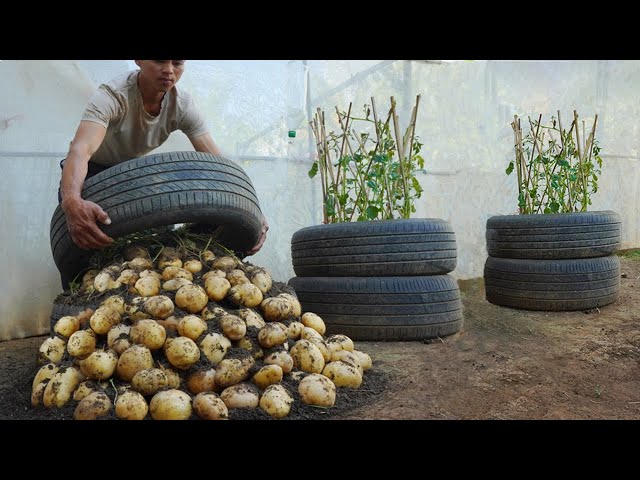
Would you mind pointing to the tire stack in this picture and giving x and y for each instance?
(380, 280)
(556, 262)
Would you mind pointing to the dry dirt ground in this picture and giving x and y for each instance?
(503, 364)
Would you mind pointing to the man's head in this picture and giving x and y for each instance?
(160, 75)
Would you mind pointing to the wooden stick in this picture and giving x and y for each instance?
(396, 126)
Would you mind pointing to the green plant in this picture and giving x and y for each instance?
(364, 175)
(556, 170)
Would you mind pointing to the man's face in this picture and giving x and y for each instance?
(162, 75)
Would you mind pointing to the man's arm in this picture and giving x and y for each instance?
(82, 214)
(204, 143)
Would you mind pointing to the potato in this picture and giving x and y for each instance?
(242, 395)
(216, 288)
(45, 373)
(365, 359)
(207, 256)
(182, 352)
(214, 346)
(209, 313)
(276, 309)
(339, 342)
(294, 330)
(261, 279)
(347, 357)
(85, 388)
(173, 378)
(251, 318)
(343, 374)
(232, 371)
(148, 286)
(132, 360)
(89, 276)
(103, 281)
(149, 381)
(175, 284)
(115, 302)
(268, 375)
(81, 343)
(201, 381)
(315, 338)
(214, 273)
(170, 405)
(128, 277)
(133, 250)
(94, 405)
(119, 331)
(276, 401)
(140, 264)
(148, 333)
(318, 390)
(225, 263)
(252, 346)
(171, 273)
(209, 406)
(169, 262)
(192, 327)
(60, 388)
(51, 350)
(131, 406)
(233, 327)
(99, 365)
(237, 277)
(103, 319)
(37, 393)
(281, 358)
(312, 320)
(245, 294)
(84, 316)
(159, 306)
(134, 305)
(67, 326)
(307, 357)
(295, 303)
(272, 334)
(193, 266)
(191, 298)
(170, 324)
(121, 345)
(150, 273)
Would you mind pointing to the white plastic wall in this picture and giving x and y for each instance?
(465, 111)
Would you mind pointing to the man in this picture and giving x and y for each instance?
(127, 118)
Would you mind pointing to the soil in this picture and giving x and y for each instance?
(503, 364)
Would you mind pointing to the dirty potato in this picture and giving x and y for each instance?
(307, 357)
(268, 375)
(261, 279)
(148, 333)
(192, 327)
(209, 406)
(241, 395)
(170, 405)
(182, 352)
(233, 327)
(94, 405)
(159, 306)
(175, 284)
(251, 318)
(214, 346)
(193, 266)
(202, 381)
(245, 294)
(294, 330)
(148, 286)
(99, 365)
(295, 303)
(343, 374)
(225, 263)
(216, 287)
(314, 321)
(272, 334)
(236, 277)
(51, 350)
(132, 360)
(131, 406)
(318, 390)
(232, 371)
(276, 401)
(339, 342)
(281, 358)
(46, 372)
(192, 298)
(67, 326)
(81, 343)
(119, 331)
(149, 381)
(60, 388)
(276, 309)
(103, 319)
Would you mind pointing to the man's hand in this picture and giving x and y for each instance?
(82, 217)
(263, 236)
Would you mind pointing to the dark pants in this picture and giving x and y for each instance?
(93, 169)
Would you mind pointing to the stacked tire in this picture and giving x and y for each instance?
(380, 280)
(556, 262)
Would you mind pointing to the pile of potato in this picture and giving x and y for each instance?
(191, 334)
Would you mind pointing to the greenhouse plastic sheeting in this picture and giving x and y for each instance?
(464, 121)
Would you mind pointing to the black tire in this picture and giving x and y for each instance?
(383, 308)
(553, 285)
(165, 189)
(418, 246)
(557, 236)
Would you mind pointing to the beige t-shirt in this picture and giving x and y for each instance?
(131, 131)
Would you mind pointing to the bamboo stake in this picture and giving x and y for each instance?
(396, 126)
(316, 134)
(516, 145)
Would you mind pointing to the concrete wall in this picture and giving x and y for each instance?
(464, 121)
